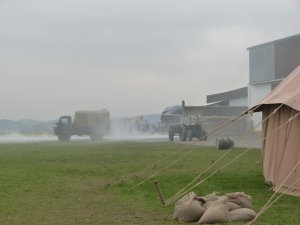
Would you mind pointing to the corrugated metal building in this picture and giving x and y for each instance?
(237, 97)
(269, 64)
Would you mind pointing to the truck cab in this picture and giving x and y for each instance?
(65, 120)
(63, 128)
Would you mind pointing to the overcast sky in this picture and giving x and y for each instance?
(130, 56)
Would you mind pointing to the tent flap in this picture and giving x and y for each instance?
(281, 150)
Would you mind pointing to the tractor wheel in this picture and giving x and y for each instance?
(190, 135)
(183, 133)
(204, 136)
(171, 136)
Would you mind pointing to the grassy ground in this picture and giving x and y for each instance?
(77, 183)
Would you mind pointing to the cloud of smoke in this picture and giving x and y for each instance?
(15, 137)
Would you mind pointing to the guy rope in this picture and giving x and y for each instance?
(222, 126)
(184, 191)
(270, 202)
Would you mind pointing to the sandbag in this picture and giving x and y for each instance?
(241, 199)
(217, 212)
(187, 197)
(188, 208)
(233, 206)
(238, 194)
(243, 214)
(211, 197)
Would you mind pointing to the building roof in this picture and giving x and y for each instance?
(275, 41)
(233, 94)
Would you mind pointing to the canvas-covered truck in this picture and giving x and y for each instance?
(95, 124)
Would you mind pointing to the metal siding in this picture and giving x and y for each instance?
(274, 84)
(239, 102)
(237, 93)
(287, 56)
(258, 92)
(261, 63)
(227, 111)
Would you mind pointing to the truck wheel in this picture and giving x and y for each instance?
(171, 136)
(96, 137)
(183, 133)
(64, 138)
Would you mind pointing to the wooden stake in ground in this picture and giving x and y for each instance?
(161, 197)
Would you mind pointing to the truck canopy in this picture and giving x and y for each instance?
(92, 119)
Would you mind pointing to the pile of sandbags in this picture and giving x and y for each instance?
(214, 208)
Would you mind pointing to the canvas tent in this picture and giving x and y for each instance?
(281, 150)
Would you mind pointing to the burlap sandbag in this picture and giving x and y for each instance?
(243, 214)
(211, 197)
(209, 200)
(188, 197)
(233, 206)
(188, 209)
(241, 199)
(217, 212)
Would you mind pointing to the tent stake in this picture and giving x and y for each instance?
(161, 197)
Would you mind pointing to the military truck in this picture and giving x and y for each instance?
(187, 131)
(95, 124)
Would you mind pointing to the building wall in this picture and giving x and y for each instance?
(239, 102)
(256, 93)
(287, 56)
(269, 64)
(261, 63)
(224, 97)
(225, 111)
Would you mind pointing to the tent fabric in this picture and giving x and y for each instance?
(281, 151)
(287, 92)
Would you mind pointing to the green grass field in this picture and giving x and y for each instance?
(79, 183)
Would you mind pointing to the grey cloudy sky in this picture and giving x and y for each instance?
(129, 56)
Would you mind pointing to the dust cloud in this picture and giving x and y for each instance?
(21, 138)
(113, 137)
(137, 128)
